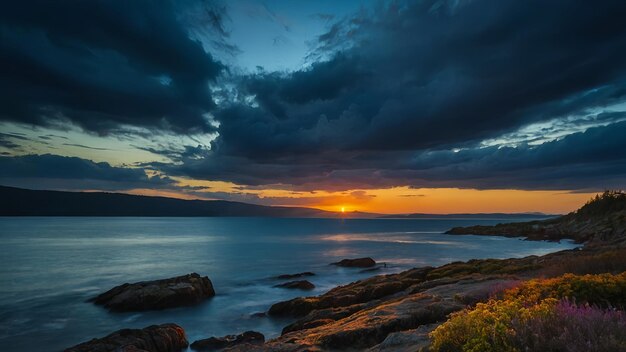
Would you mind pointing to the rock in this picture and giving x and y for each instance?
(258, 315)
(369, 327)
(217, 343)
(155, 338)
(300, 284)
(406, 341)
(294, 276)
(321, 317)
(158, 294)
(356, 263)
(357, 292)
(365, 326)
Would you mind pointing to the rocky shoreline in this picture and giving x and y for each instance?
(384, 312)
(380, 313)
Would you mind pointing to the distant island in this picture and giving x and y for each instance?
(26, 202)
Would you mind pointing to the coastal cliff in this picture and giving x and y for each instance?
(602, 219)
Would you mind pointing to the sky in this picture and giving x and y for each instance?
(378, 106)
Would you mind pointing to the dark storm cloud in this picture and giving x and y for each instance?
(591, 159)
(388, 93)
(430, 74)
(421, 76)
(594, 159)
(55, 171)
(179, 154)
(102, 64)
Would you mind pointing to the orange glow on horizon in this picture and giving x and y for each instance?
(402, 200)
(398, 200)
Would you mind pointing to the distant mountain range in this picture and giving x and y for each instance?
(24, 202)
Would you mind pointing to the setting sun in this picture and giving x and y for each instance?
(343, 209)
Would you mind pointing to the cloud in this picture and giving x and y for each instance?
(415, 77)
(593, 159)
(84, 146)
(419, 93)
(6, 140)
(62, 172)
(103, 65)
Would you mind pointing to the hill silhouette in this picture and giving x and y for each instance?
(603, 218)
(24, 202)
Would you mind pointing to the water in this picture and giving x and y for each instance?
(49, 267)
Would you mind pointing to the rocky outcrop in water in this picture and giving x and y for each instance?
(356, 263)
(157, 294)
(155, 338)
(294, 276)
(244, 340)
(300, 284)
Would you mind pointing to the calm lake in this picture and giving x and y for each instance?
(49, 267)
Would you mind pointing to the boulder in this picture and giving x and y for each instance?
(356, 263)
(294, 276)
(217, 343)
(155, 338)
(300, 284)
(158, 294)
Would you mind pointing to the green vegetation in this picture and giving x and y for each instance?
(606, 203)
(568, 313)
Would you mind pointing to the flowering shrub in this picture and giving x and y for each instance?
(605, 290)
(541, 315)
(572, 328)
(488, 327)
